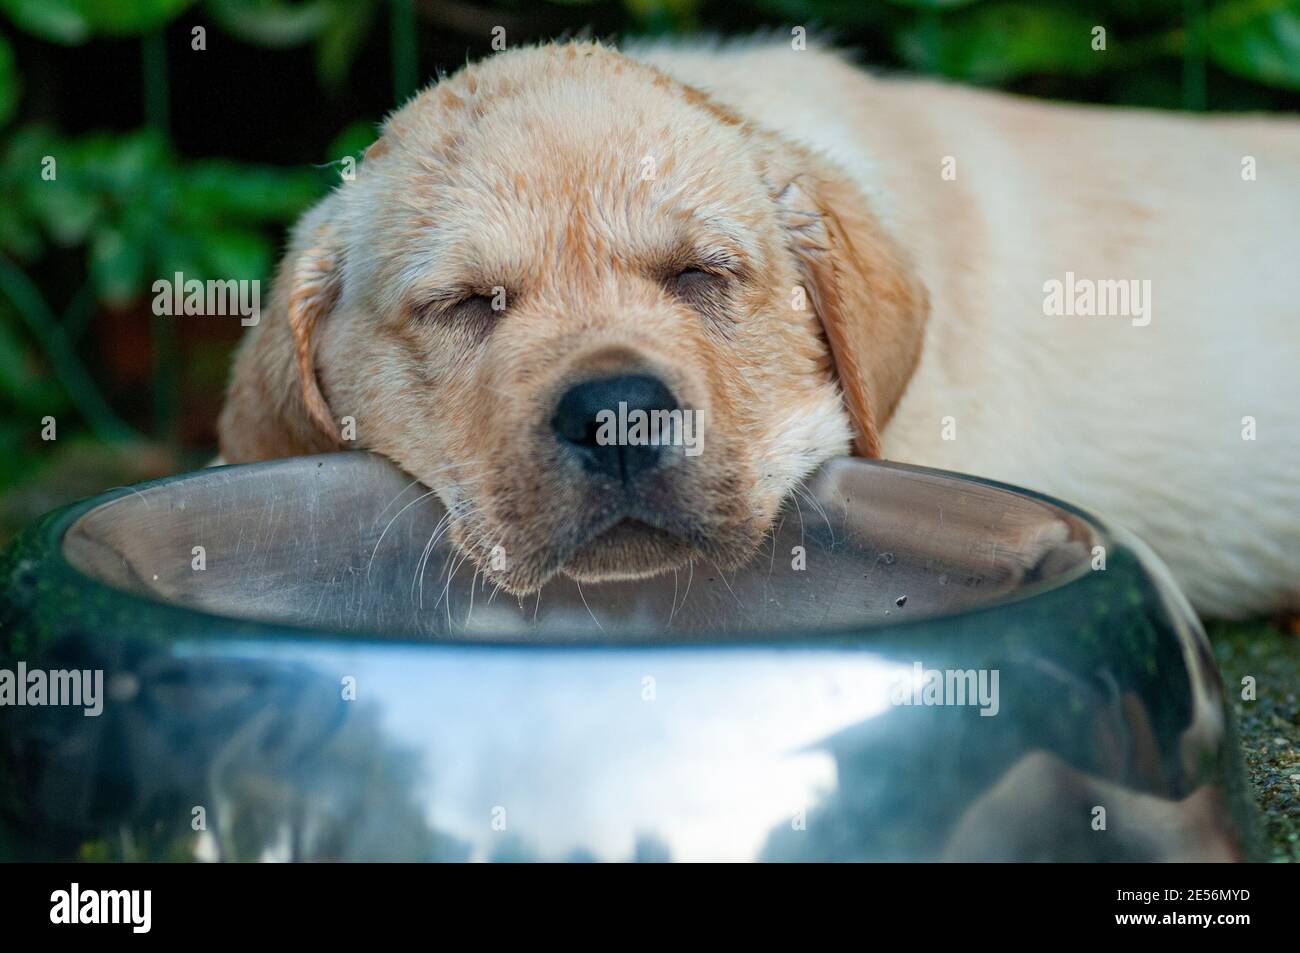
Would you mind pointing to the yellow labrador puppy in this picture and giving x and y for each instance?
(614, 306)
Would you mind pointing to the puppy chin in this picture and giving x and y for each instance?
(627, 550)
(576, 534)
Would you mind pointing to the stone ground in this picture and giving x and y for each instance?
(1270, 725)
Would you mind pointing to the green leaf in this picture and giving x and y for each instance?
(19, 236)
(66, 208)
(116, 265)
(177, 251)
(353, 141)
(235, 253)
(125, 163)
(142, 212)
(341, 39)
(131, 17)
(71, 22)
(999, 42)
(60, 21)
(1258, 39)
(274, 23)
(216, 188)
(22, 381)
(9, 85)
(19, 171)
(26, 145)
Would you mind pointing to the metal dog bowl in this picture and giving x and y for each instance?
(320, 681)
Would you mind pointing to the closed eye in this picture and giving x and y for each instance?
(698, 287)
(458, 307)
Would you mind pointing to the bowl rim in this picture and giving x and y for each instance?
(51, 534)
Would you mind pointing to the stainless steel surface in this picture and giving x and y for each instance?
(350, 543)
(326, 689)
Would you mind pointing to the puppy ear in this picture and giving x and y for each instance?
(274, 405)
(314, 290)
(871, 305)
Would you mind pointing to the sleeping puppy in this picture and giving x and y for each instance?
(800, 261)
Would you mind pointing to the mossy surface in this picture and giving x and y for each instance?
(1269, 725)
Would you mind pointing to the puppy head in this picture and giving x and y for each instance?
(539, 248)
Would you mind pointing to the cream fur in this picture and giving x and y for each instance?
(525, 172)
(1141, 424)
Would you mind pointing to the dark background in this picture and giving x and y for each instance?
(176, 159)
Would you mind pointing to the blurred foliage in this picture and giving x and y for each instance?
(1258, 39)
(337, 27)
(77, 21)
(141, 213)
(8, 81)
(131, 202)
(997, 42)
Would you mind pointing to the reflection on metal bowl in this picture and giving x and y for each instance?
(919, 666)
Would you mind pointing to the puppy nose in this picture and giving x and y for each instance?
(587, 423)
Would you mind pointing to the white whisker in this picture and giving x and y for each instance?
(589, 612)
(422, 496)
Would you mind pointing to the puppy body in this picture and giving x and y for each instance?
(665, 210)
(1143, 424)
